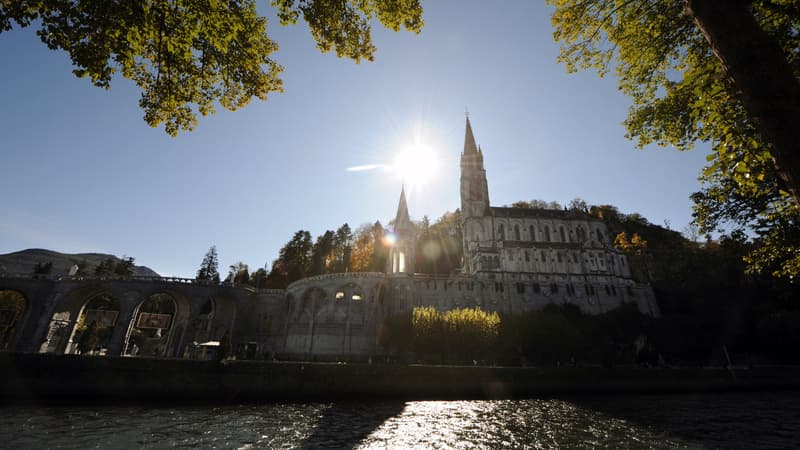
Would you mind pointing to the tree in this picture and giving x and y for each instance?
(578, 204)
(698, 70)
(238, 274)
(294, 261)
(365, 244)
(209, 267)
(225, 347)
(258, 279)
(636, 245)
(321, 254)
(124, 267)
(342, 249)
(43, 268)
(105, 268)
(187, 55)
(709, 71)
(89, 339)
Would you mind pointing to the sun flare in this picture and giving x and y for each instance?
(416, 165)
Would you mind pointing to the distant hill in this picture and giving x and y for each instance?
(23, 262)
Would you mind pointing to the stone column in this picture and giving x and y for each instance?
(128, 304)
(33, 343)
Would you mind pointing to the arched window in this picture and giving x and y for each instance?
(527, 256)
(152, 327)
(501, 232)
(561, 231)
(532, 232)
(547, 233)
(516, 233)
(12, 306)
(599, 235)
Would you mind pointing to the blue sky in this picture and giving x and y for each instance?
(81, 171)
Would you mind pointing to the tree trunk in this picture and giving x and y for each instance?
(762, 77)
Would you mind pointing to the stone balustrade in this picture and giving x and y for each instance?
(135, 278)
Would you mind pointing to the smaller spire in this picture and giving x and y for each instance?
(469, 140)
(402, 220)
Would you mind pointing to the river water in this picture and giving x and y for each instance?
(740, 420)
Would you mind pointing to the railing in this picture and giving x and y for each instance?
(330, 276)
(134, 278)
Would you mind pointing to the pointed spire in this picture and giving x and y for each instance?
(469, 140)
(402, 219)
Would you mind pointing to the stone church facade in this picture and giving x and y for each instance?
(515, 260)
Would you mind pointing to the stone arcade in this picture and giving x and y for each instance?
(514, 260)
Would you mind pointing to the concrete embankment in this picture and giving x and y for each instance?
(32, 378)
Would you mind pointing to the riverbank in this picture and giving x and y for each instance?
(36, 378)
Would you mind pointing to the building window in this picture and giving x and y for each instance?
(559, 257)
(613, 291)
(537, 288)
(608, 290)
(532, 232)
(520, 288)
(554, 288)
(501, 232)
(547, 233)
(516, 233)
(340, 295)
(561, 232)
(527, 256)
(599, 235)
(630, 291)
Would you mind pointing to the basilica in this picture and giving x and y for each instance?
(515, 260)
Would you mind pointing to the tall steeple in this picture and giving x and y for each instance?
(469, 140)
(474, 189)
(401, 256)
(402, 220)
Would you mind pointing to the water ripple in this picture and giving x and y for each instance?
(682, 421)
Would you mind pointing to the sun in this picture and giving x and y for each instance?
(416, 164)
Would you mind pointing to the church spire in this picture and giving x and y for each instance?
(402, 219)
(469, 140)
(401, 256)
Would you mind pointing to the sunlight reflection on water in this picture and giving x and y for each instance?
(685, 421)
(507, 424)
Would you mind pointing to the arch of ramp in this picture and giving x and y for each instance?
(102, 309)
(157, 325)
(13, 314)
(313, 300)
(213, 317)
(62, 322)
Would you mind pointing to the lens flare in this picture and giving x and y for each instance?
(416, 165)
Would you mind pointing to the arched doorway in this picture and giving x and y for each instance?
(12, 308)
(150, 330)
(200, 332)
(95, 325)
